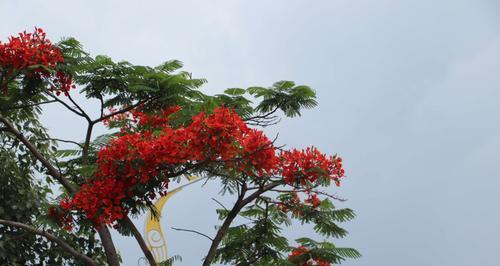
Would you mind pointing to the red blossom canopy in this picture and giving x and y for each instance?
(148, 158)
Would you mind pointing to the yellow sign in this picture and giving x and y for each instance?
(152, 230)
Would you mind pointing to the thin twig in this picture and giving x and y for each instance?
(124, 110)
(334, 197)
(65, 104)
(26, 105)
(262, 116)
(220, 203)
(263, 124)
(192, 231)
(79, 108)
(63, 140)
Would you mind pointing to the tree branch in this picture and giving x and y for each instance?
(37, 154)
(65, 104)
(192, 231)
(264, 116)
(109, 247)
(218, 202)
(333, 197)
(79, 108)
(259, 123)
(104, 234)
(63, 244)
(240, 203)
(86, 144)
(26, 105)
(140, 240)
(101, 100)
(223, 229)
(124, 110)
(64, 140)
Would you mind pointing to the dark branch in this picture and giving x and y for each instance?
(240, 203)
(102, 230)
(124, 110)
(192, 231)
(86, 144)
(264, 123)
(26, 105)
(140, 241)
(37, 154)
(63, 244)
(264, 116)
(79, 108)
(65, 141)
(101, 100)
(218, 202)
(65, 104)
(334, 197)
(109, 247)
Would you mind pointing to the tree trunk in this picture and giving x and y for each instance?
(109, 247)
(142, 243)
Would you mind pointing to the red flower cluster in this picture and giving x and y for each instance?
(117, 118)
(313, 200)
(32, 54)
(61, 218)
(135, 166)
(310, 261)
(293, 203)
(27, 50)
(155, 120)
(134, 161)
(303, 169)
(309, 165)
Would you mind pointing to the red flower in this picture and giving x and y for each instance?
(297, 167)
(313, 200)
(33, 55)
(310, 261)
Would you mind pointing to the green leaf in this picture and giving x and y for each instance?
(87, 170)
(235, 91)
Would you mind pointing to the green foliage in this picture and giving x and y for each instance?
(286, 96)
(118, 84)
(124, 84)
(324, 251)
(27, 193)
(261, 238)
(170, 261)
(264, 243)
(17, 246)
(25, 198)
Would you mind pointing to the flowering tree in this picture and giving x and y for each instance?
(161, 129)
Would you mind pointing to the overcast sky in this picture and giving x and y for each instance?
(409, 96)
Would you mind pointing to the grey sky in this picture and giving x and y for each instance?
(409, 95)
